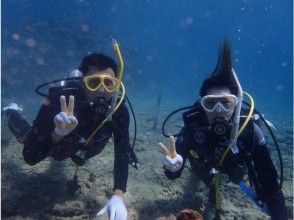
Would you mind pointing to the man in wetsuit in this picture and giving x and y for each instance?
(62, 130)
(206, 135)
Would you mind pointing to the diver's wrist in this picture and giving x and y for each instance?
(56, 138)
(118, 192)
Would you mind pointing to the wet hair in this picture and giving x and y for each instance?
(97, 61)
(222, 76)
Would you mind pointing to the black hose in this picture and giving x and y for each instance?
(135, 121)
(166, 119)
(276, 144)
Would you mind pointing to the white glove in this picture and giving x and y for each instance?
(172, 161)
(173, 164)
(64, 121)
(116, 207)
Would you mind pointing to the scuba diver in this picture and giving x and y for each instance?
(219, 136)
(81, 129)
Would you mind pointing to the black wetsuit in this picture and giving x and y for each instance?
(203, 149)
(38, 140)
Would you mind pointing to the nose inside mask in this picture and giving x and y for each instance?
(218, 113)
(219, 108)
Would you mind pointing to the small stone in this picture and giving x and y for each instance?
(92, 177)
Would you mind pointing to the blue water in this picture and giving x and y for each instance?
(167, 45)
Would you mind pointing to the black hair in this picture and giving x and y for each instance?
(222, 76)
(99, 61)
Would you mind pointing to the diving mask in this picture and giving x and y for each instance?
(219, 103)
(94, 82)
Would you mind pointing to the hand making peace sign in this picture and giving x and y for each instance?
(172, 161)
(65, 121)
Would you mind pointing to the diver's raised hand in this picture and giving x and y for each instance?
(65, 122)
(172, 161)
(116, 208)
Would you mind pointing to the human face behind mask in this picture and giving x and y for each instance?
(101, 84)
(219, 102)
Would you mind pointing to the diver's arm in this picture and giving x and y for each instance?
(120, 126)
(121, 145)
(267, 176)
(39, 141)
(181, 149)
(56, 138)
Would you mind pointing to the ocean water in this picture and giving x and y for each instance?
(169, 48)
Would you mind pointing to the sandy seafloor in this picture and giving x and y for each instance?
(40, 192)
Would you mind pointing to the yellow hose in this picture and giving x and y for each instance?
(120, 74)
(119, 57)
(252, 104)
(110, 114)
(242, 127)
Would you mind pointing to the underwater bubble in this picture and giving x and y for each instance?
(189, 20)
(16, 51)
(44, 48)
(279, 88)
(284, 64)
(149, 58)
(16, 36)
(10, 51)
(182, 24)
(13, 70)
(11, 81)
(31, 42)
(45, 102)
(127, 77)
(10, 78)
(207, 13)
(29, 28)
(113, 9)
(85, 28)
(139, 72)
(40, 61)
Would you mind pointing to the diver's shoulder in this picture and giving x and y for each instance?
(122, 110)
(195, 114)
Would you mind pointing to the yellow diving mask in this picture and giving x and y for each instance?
(94, 82)
(110, 84)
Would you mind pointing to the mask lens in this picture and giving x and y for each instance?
(210, 103)
(227, 102)
(93, 83)
(110, 84)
